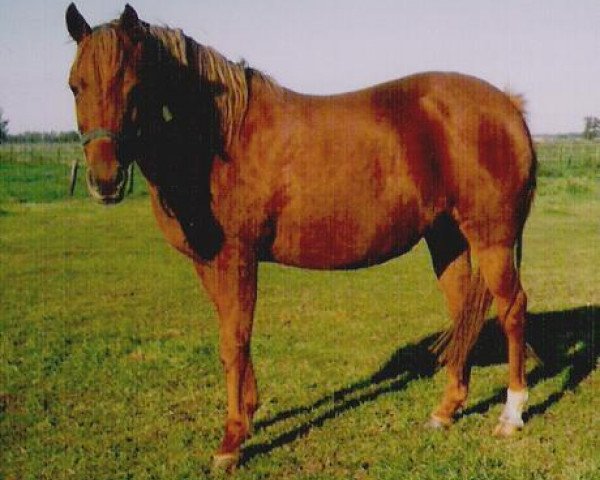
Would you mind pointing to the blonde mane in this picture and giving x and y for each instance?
(231, 95)
(231, 98)
(173, 40)
(232, 103)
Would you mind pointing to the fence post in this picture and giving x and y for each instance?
(130, 187)
(74, 168)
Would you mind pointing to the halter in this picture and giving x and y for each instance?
(98, 133)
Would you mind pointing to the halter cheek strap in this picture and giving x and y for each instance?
(98, 133)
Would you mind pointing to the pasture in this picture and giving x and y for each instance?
(110, 364)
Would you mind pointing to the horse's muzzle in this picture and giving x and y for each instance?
(108, 192)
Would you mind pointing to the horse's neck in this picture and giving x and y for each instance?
(265, 98)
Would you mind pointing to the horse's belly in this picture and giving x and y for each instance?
(344, 241)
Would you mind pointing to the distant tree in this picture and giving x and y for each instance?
(45, 137)
(3, 127)
(592, 128)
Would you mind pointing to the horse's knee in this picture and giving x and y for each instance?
(229, 355)
(232, 351)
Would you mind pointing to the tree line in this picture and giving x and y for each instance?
(592, 128)
(34, 137)
(43, 137)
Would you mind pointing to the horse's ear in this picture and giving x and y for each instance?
(76, 24)
(129, 19)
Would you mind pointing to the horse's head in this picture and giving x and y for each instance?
(102, 78)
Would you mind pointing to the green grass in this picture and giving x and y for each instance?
(40, 173)
(569, 159)
(110, 363)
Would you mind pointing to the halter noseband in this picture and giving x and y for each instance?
(118, 138)
(98, 133)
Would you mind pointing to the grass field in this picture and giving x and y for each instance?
(109, 361)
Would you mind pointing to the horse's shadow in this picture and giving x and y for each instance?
(565, 341)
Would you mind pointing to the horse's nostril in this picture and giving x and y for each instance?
(107, 191)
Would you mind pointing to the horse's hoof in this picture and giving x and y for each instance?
(504, 429)
(225, 462)
(436, 423)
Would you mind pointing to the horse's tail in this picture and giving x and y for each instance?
(528, 193)
(454, 345)
(518, 101)
(528, 196)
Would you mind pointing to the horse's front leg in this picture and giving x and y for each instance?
(230, 280)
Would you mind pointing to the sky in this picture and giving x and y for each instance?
(547, 50)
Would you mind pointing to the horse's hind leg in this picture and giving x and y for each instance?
(451, 262)
(501, 276)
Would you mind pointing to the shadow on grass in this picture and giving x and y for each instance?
(566, 341)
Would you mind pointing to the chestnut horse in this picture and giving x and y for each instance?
(242, 170)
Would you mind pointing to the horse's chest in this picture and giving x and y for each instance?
(169, 225)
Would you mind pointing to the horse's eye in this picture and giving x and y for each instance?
(74, 89)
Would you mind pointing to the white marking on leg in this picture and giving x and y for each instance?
(513, 409)
(437, 423)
